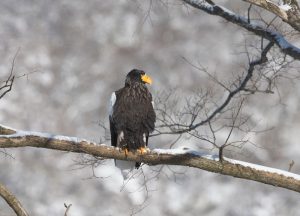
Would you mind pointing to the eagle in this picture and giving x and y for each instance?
(131, 116)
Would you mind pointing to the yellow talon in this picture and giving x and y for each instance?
(126, 151)
(143, 150)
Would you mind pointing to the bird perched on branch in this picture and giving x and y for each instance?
(132, 116)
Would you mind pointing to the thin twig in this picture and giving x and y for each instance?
(291, 165)
(10, 80)
(67, 208)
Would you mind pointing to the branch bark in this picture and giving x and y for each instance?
(12, 201)
(183, 157)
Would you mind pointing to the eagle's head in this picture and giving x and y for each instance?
(137, 76)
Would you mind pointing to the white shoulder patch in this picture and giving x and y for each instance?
(112, 102)
(152, 102)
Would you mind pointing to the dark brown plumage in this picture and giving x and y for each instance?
(132, 116)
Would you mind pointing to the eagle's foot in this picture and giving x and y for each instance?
(126, 151)
(143, 150)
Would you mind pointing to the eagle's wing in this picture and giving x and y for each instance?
(125, 166)
(147, 135)
(113, 132)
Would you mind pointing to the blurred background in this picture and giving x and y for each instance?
(74, 54)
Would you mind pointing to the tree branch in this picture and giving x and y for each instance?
(181, 157)
(12, 201)
(241, 21)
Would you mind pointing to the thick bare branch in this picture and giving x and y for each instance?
(12, 201)
(255, 28)
(184, 157)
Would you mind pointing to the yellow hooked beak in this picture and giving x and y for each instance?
(146, 79)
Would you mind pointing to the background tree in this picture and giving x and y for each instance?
(155, 39)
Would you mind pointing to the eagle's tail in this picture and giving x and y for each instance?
(126, 167)
(137, 165)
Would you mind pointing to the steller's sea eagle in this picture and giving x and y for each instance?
(131, 116)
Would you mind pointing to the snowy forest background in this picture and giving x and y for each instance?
(75, 53)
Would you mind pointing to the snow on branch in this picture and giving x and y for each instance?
(276, 37)
(10, 138)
